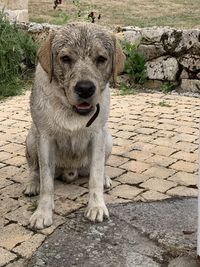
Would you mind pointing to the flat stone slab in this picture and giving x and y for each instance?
(183, 262)
(137, 234)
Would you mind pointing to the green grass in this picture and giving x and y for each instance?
(17, 58)
(179, 13)
(60, 19)
(38, 20)
(76, 10)
(177, 21)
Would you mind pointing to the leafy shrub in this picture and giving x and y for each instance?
(167, 87)
(17, 57)
(135, 63)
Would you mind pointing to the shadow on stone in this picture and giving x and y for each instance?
(137, 234)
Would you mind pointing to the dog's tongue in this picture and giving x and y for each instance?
(84, 106)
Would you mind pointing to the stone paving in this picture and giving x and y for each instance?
(154, 157)
(156, 234)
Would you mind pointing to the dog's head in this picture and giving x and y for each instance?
(81, 58)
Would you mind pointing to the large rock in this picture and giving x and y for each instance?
(133, 36)
(183, 262)
(152, 51)
(173, 41)
(191, 39)
(18, 15)
(190, 85)
(153, 35)
(137, 235)
(195, 49)
(190, 62)
(184, 74)
(179, 41)
(16, 10)
(162, 68)
(153, 84)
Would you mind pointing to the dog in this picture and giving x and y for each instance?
(69, 105)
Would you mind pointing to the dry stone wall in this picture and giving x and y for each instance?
(17, 10)
(172, 55)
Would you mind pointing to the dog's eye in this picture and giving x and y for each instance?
(101, 59)
(66, 59)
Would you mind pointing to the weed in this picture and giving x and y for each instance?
(17, 57)
(79, 12)
(83, 10)
(61, 18)
(78, 6)
(126, 89)
(71, 10)
(167, 87)
(135, 63)
(164, 104)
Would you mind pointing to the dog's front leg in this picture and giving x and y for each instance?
(42, 217)
(97, 209)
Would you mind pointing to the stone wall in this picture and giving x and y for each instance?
(38, 31)
(17, 10)
(172, 55)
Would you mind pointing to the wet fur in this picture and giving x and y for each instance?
(59, 141)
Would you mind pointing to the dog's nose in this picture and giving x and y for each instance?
(85, 89)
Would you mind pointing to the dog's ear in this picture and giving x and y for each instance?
(45, 55)
(118, 60)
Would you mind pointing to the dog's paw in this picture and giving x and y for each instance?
(107, 182)
(32, 189)
(97, 213)
(69, 175)
(41, 218)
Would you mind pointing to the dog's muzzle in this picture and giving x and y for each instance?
(83, 108)
(85, 89)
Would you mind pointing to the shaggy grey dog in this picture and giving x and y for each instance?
(70, 103)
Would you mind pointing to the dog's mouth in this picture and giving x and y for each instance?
(83, 108)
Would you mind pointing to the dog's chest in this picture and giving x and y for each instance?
(72, 150)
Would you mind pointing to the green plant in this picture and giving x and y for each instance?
(167, 87)
(78, 6)
(61, 18)
(164, 104)
(64, 16)
(83, 10)
(126, 89)
(135, 63)
(17, 57)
